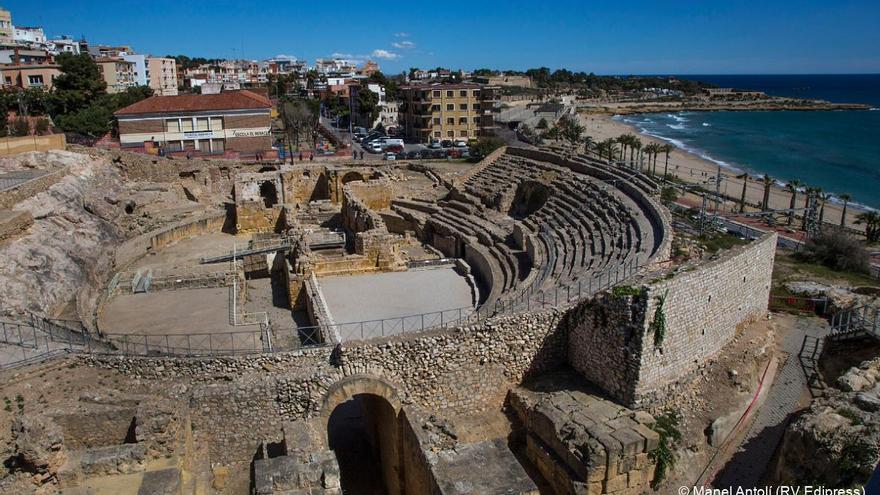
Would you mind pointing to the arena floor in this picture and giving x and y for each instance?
(394, 294)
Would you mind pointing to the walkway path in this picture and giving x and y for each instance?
(749, 463)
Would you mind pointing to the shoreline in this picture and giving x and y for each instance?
(693, 168)
(765, 105)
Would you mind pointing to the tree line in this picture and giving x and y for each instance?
(78, 101)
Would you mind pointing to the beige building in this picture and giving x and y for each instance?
(162, 75)
(7, 29)
(118, 74)
(27, 76)
(448, 111)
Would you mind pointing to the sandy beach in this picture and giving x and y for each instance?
(695, 169)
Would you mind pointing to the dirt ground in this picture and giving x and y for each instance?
(724, 384)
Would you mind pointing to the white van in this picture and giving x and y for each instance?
(386, 142)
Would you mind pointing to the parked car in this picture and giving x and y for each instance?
(460, 143)
(374, 147)
(453, 153)
(393, 148)
(435, 145)
(446, 143)
(390, 156)
(438, 154)
(411, 155)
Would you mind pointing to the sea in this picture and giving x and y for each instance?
(838, 151)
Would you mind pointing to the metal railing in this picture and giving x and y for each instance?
(46, 338)
(861, 319)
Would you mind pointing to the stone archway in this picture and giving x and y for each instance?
(361, 418)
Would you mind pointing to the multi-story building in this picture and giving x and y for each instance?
(107, 51)
(448, 111)
(20, 55)
(6, 27)
(141, 75)
(65, 44)
(162, 75)
(119, 74)
(335, 66)
(27, 76)
(29, 36)
(231, 123)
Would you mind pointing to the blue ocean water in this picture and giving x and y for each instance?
(838, 151)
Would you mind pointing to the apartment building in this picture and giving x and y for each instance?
(29, 36)
(119, 74)
(162, 75)
(231, 123)
(28, 76)
(448, 111)
(6, 27)
(66, 44)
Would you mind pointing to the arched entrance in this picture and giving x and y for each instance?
(364, 432)
(269, 194)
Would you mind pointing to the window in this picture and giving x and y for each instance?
(476, 120)
(462, 107)
(450, 133)
(174, 146)
(437, 134)
(172, 125)
(462, 133)
(216, 123)
(436, 93)
(450, 121)
(189, 144)
(36, 80)
(186, 125)
(435, 108)
(476, 93)
(218, 145)
(463, 93)
(449, 94)
(436, 120)
(205, 145)
(9, 80)
(202, 124)
(476, 106)
(450, 107)
(462, 121)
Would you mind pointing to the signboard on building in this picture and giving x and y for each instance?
(241, 133)
(198, 135)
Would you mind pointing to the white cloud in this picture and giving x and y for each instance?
(341, 55)
(404, 45)
(285, 56)
(401, 35)
(385, 54)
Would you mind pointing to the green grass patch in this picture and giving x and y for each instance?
(791, 268)
(625, 290)
(720, 242)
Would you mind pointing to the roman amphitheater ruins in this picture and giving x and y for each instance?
(510, 326)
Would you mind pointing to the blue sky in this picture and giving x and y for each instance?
(635, 37)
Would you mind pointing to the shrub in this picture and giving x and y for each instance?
(20, 127)
(668, 195)
(836, 250)
(41, 126)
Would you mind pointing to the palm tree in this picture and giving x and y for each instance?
(823, 197)
(624, 141)
(651, 150)
(742, 197)
(792, 187)
(666, 148)
(871, 220)
(846, 199)
(635, 145)
(768, 183)
(588, 144)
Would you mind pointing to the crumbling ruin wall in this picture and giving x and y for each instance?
(133, 249)
(305, 184)
(371, 237)
(31, 188)
(617, 345)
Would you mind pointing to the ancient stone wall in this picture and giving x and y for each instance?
(31, 188)
(133, 249)
(617, 347)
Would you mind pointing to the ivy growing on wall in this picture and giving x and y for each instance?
(658, 325)
(664, 455)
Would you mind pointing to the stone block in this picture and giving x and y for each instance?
(161, 482)
(617, 483)
(631, 442)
